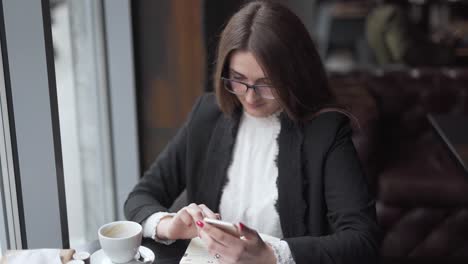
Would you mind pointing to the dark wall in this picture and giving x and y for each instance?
(169, 64)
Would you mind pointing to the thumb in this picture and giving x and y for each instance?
(247, 232)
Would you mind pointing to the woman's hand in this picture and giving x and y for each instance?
(182, 225)
(230, 249)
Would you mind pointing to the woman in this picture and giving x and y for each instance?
(269, 152)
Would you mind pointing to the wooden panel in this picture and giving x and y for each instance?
(170, 68)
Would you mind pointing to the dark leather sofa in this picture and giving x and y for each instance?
(422, 198)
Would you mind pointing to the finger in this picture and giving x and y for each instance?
(196, 212)
(220, 235)
(213, 246)
(184, 216)
(207, 211)
(247, 232)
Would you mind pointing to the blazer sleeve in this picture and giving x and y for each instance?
(355, 235)
(164, 180)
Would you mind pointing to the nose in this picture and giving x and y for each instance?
(251, 96)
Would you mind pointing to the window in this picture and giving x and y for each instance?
(84, 121)
(65, 145)
(84, 75)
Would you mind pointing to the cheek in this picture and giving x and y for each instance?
(275, 105)
(240, 99)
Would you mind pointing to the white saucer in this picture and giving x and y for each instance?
(99, 257)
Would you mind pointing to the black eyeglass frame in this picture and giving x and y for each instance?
(247, 87)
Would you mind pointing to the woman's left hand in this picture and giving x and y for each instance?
(230, 249)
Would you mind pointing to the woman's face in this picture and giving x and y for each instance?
(244, 67)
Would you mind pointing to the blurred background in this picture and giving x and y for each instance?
(391, 63)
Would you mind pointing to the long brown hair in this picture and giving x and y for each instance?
(282, 46)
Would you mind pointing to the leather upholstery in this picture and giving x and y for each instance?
(422, 199)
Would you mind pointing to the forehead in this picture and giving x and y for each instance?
(245, 63)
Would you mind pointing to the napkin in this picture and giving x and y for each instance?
(37, 256)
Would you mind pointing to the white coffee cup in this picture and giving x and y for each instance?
(120, 240)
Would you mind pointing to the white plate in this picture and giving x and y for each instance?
(99, 257)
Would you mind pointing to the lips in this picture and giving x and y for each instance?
(254, 105)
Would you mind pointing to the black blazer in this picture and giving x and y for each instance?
(326, 211)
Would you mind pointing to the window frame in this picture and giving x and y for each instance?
(30, 133)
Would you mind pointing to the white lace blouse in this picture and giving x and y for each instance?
(251, 192)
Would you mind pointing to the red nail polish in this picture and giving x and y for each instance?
(199, 223)
(241, 226)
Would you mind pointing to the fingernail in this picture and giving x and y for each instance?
(199, 223)
(241, 226)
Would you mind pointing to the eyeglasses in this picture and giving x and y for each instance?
(241, 88)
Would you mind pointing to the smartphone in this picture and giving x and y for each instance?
(225, 226)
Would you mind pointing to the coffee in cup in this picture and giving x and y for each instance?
(120, 240)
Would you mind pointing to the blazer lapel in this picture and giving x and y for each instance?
(219, 156)
(291, 205)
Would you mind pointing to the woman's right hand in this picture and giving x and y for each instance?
(183, 224)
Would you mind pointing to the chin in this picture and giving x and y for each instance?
(258, 113)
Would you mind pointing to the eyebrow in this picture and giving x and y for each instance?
(243, 76)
